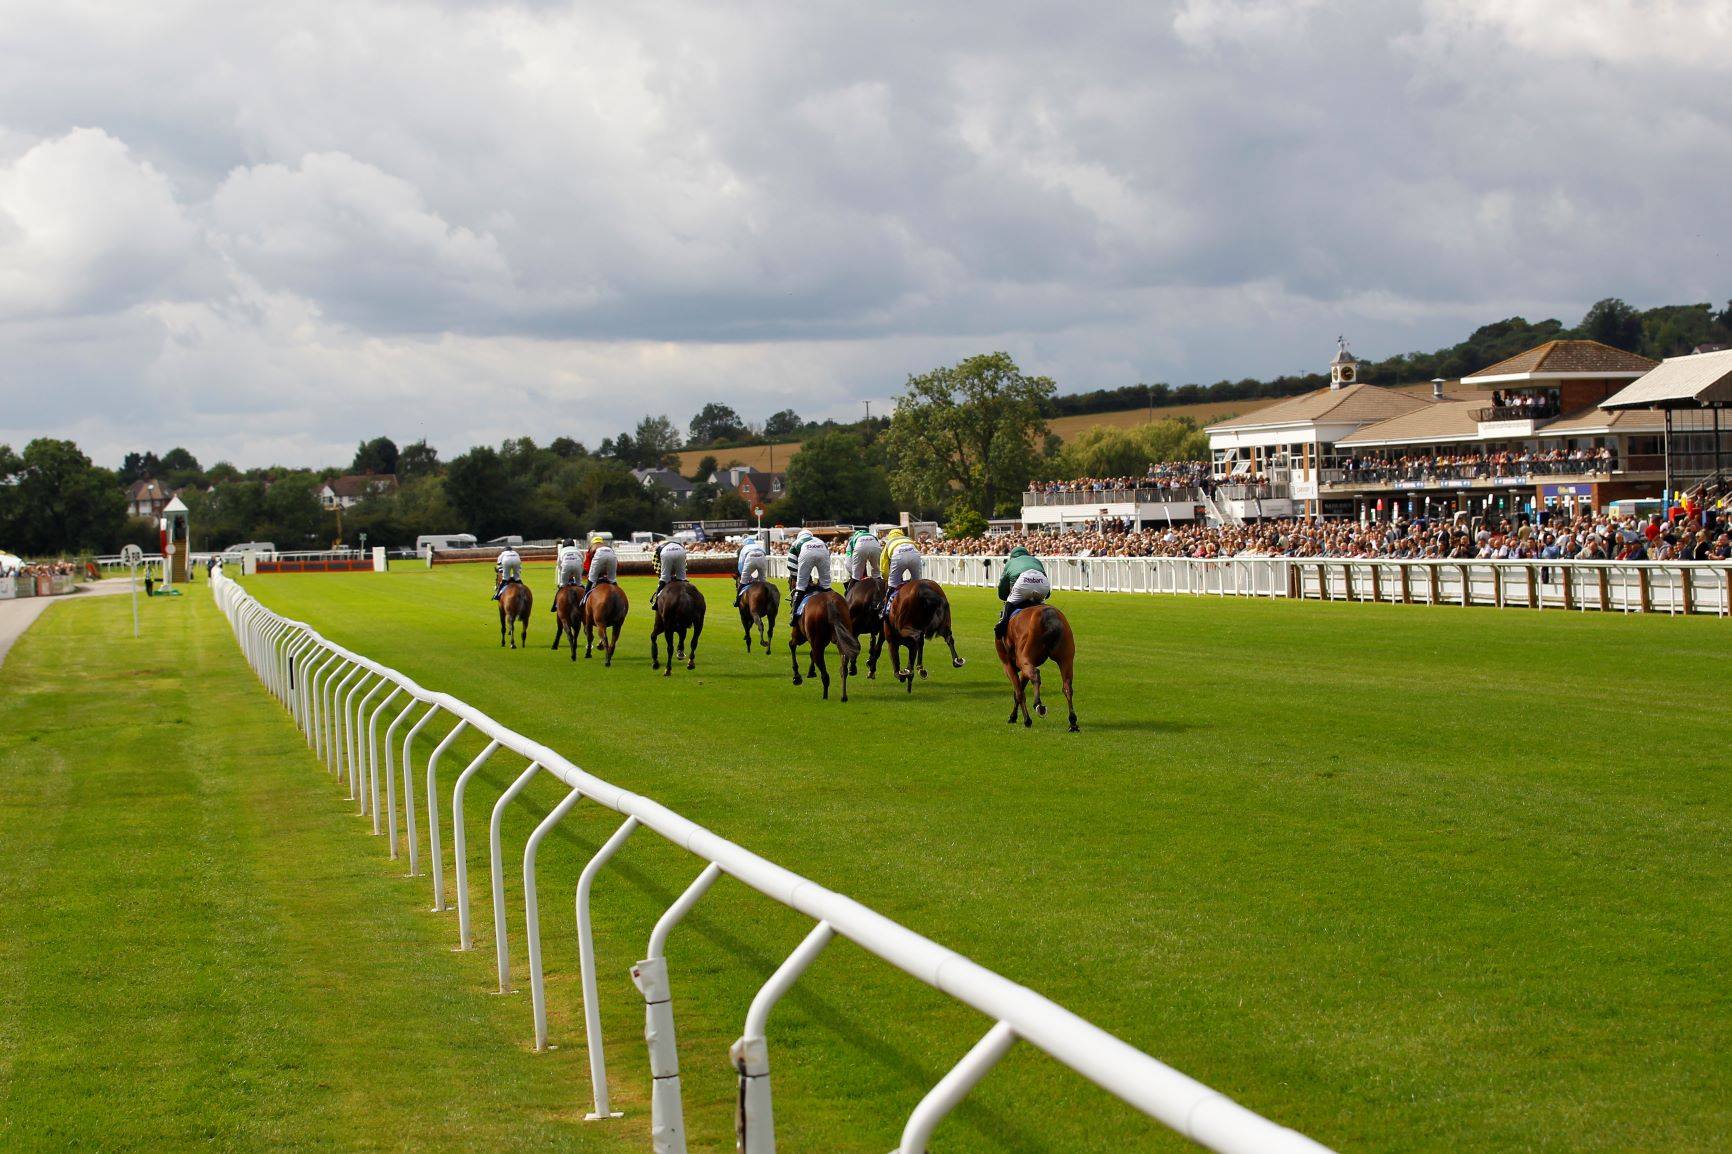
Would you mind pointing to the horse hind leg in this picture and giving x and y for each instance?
(920, 656)
(794, 657)
(611, 645)
(692, 654)
(1033, 675)
(655, 659)
(1065, 666)
(823, 668)
(956, 661)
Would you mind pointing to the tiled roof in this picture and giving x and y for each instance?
(361, 484)
(1443, 421)
(1681, 382)
(1353, 404)
(1565, 357)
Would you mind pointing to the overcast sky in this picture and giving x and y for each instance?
(266, 232)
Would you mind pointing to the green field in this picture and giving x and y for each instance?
(1403, 878)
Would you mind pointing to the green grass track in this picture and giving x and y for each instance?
(1404, 878)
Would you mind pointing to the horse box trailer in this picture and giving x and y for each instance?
(427, 542)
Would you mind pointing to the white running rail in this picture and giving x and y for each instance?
(330, 691)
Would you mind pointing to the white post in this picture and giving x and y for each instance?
(954, 1087)
(532, 914)
(667, 1113)
(496, 859)
(460, 843)
(586, 966)
(373, 753)
(390, 779)
(756, 1124)
(438, 864)
(409, 793)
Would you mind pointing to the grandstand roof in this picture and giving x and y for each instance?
(1560, 360)
(1592, 421)
(1354, 404)
(1441, 421)
(1680, 382)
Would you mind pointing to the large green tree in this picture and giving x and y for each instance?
(972, 429)
(482, 491)
(61, 502)
(376, 456)
(716, 422)
(1614, 323)
(834, 477)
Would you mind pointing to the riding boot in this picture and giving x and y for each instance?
(660, 585)
(585, 597)
(739, 595)
(1003, 625)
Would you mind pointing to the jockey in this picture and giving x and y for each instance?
(1022, 583)
(671, 557)
(901, 564)
(811, 570)
(603, 566)
(508, 568)
(754, 565)
(864, 553)
(804, 536)
(568, 564)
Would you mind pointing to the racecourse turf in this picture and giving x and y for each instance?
(1404, 878)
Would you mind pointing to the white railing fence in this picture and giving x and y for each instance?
(337, 698)
(1612, 586)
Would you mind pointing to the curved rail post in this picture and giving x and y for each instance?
(496, 859)
(337, 686)
(312, 717)
(750, 1055)
(954, 1087)
(372, 763)
(391, 778)
(532, 913)
(586, 964)
(650, 976)
(438, 864)
(351, 769)
(460, 844)
(409, 791)
(321, 681)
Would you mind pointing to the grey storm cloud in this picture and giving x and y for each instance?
(269, 233)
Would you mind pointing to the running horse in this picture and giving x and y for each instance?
(822, 621)
(920, 611)
(515, 602)
(1033, 636)
(603, 610)
(761, 602)
(679, 608)
(566, 621)
(865, 606)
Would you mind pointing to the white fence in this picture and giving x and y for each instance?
(337, 697)
(1613, 586)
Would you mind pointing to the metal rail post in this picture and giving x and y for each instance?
(460, 844)
(756, 1124)
(650, 976)
(372, 764)
(954, 1087)
(391, 780)
(409, 833)
(532, 913)
(438, 865)
(586, 967)
(496, 858)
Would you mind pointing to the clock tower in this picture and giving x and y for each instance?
(1344, 369)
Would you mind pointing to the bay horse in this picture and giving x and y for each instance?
(515, 602)
(1034, 635)
(823, 620)
(566, 622)
(761, 603)
(679, 607)
(920, 611)
(605, 608)
(865, 606)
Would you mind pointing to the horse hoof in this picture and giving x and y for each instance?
(923, 673)
(1040, 709)
(1028, 723)
(958, 663)
(1075, 728)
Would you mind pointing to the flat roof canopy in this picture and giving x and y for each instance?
(1700, 380)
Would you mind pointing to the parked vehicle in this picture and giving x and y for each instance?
(427, 542)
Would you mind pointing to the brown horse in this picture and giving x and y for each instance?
(865, 606)
(566, 622)
(920, 611)
(679, 607)
(605, 608)
(761, 603)
(823, 619)
(515, 602)
(1033, 636)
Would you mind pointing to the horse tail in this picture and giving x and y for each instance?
(1051, 628)
(846, 643)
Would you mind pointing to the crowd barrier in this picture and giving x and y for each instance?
(337, 698)
(1611, 586)
(37, 585)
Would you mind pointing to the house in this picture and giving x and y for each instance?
(757, 488)
(668, 479)
(146, 498)
(347, 492)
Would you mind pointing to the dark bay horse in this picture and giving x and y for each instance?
(515, 602)
(1033, 636)
(679, 608)
(566, 622)
(604, 609)
(920, 611)
(823, 620)
(865, 606)
(761, 603)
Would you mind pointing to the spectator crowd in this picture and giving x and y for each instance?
(1474, 466)
(1175, 477)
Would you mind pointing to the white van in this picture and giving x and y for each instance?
(236, 552)
(428, 542)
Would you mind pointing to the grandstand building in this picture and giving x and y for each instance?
(1521, 436)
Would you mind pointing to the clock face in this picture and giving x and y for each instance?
(1347, 372)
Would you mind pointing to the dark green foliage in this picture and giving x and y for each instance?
(715, 422)
(54, 501)
(376, 456)
(836, 477)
